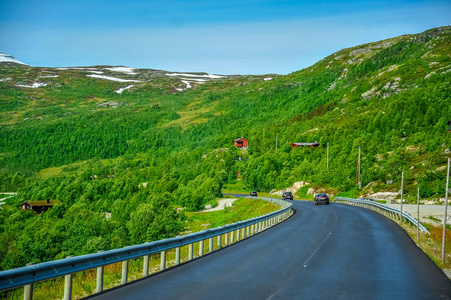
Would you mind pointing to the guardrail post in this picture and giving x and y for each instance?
(162, 260)
(28, 289)
(238, 234)
(177, 255)
(210, 245)
(252, 229)
(201, 248)
(248, 231)
(232, 236)
(219, 240)
(146, 265)
(190, 251)
(99, 281)
(124, 272)
(68, 285)
(226, 239)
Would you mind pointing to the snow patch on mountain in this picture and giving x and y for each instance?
(119, 91)
(34, 85)
(126, 70)
(111, 78)
(211, 76)
(8, 58)
(48, 76)
(198, 80)
(188, 85)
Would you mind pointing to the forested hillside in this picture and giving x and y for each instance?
(124, 150)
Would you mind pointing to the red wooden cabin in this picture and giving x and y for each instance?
(240, 143)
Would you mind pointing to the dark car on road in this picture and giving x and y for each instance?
(254, 193)
(321, 198)
(287, 196)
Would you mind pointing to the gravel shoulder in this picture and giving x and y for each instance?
(436, 211)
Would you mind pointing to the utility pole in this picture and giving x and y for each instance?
(418, 215)
(444, 218)
(402, 186)
(358, 172)
(327, 155)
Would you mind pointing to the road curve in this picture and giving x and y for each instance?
(322, 252)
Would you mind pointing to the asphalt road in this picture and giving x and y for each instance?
(322, 252)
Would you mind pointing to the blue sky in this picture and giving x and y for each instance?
(221, 37)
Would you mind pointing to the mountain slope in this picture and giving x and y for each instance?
(136, 143)
(5, 58)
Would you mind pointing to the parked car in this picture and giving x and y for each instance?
(254, 193)
(287, 196)
(321, 198)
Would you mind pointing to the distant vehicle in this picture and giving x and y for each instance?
(287, 196)
(369, 199)
(254, 193)
(321, 198)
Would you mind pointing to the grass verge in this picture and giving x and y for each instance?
(431, 244)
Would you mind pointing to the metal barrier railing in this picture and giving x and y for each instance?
(384, 209)
(27, 276)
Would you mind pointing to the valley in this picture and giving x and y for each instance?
(150, 147)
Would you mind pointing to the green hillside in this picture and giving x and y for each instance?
(166, 141)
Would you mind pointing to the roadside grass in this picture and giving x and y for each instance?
(432, 244)
(242, 209)
(84, 283)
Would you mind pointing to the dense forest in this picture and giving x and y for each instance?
(124, 165)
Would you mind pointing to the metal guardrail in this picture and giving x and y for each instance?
(30, 274)
(385, 209)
